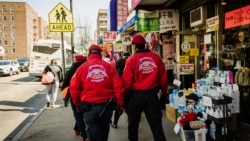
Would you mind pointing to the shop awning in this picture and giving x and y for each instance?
(128, 24)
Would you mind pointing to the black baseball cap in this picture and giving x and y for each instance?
(192, 96)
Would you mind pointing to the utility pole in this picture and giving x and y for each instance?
(72, 34)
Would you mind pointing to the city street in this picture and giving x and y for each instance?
(21, 98)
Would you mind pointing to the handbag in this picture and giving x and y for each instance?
(48, 78)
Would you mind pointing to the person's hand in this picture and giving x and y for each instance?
(120, 110)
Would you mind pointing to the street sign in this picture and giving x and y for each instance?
(61, 19)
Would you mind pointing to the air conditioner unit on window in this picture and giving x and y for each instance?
(196, 16)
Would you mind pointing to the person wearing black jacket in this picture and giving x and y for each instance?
(120, 64)
(79, 127)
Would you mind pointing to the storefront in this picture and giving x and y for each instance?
(209, 35)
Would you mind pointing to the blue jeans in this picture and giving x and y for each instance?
(79, 122)
(98, 127)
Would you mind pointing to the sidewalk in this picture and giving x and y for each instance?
(56, 124)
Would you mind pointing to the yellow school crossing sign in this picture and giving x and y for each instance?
(61, 19)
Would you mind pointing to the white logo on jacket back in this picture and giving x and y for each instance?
(146, 65)
(96, 73)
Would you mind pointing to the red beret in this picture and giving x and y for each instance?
(80, 58)
(138, 39)
(95, 47)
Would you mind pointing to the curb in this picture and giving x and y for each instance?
(26, 127)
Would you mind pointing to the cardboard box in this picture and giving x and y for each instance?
(171, 113)
(193, 135)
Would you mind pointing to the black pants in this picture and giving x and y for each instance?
(147, 102)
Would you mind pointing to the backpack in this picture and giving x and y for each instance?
(48, 76)
(242, 76)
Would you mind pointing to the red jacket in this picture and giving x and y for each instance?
(144, 71)
(96, 81)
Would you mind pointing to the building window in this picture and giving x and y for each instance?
(12, 35)
(4, 10)
(4, 26)
(6, 42)
(12, 18)
(6, 49)
(11, 10)
(5, 34)
(12, 26)
(4, 18)
(13, 43)
(13, 50)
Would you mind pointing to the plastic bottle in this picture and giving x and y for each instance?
(171, 99)
(175, 98)
(182, 104)
(212, 130)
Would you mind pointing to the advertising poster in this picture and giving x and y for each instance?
(153, 40)
(212, 24)
(168, 46)
(169, 20)
(186, 69)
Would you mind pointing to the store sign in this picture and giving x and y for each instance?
(186, 69)
(184, 59)
(122, 12)
(134, 3)
(109, 36)
(107, 47)
(207, 101)
(212, 24)
(185, 46)
(147, 21)
(169, 20)
(237, 17)
(194, 52)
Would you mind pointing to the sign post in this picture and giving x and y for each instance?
(61, 20)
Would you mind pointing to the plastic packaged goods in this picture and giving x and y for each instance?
(212, 130)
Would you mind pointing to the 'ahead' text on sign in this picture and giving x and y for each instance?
(61, 27)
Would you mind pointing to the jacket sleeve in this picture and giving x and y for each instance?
(75, 88)
(163, 78)
(118, 88)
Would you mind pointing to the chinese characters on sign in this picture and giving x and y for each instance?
(169, 20)
(237, 17)
(122, 12)
(147, 21)
(109, 36)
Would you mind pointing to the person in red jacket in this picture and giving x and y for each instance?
(96, 88)
(144, 75)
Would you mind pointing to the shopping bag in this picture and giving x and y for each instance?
(48, 78)
(64, 92)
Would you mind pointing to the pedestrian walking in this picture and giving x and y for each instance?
(58, 16)
(52, 89)
(79, 127)
(144, 75)
(95, 89)
(64, 15)
(119, 65)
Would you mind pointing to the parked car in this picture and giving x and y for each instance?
(24, 64)
(9, 67)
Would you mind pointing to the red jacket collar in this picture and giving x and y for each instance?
(94, 56)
